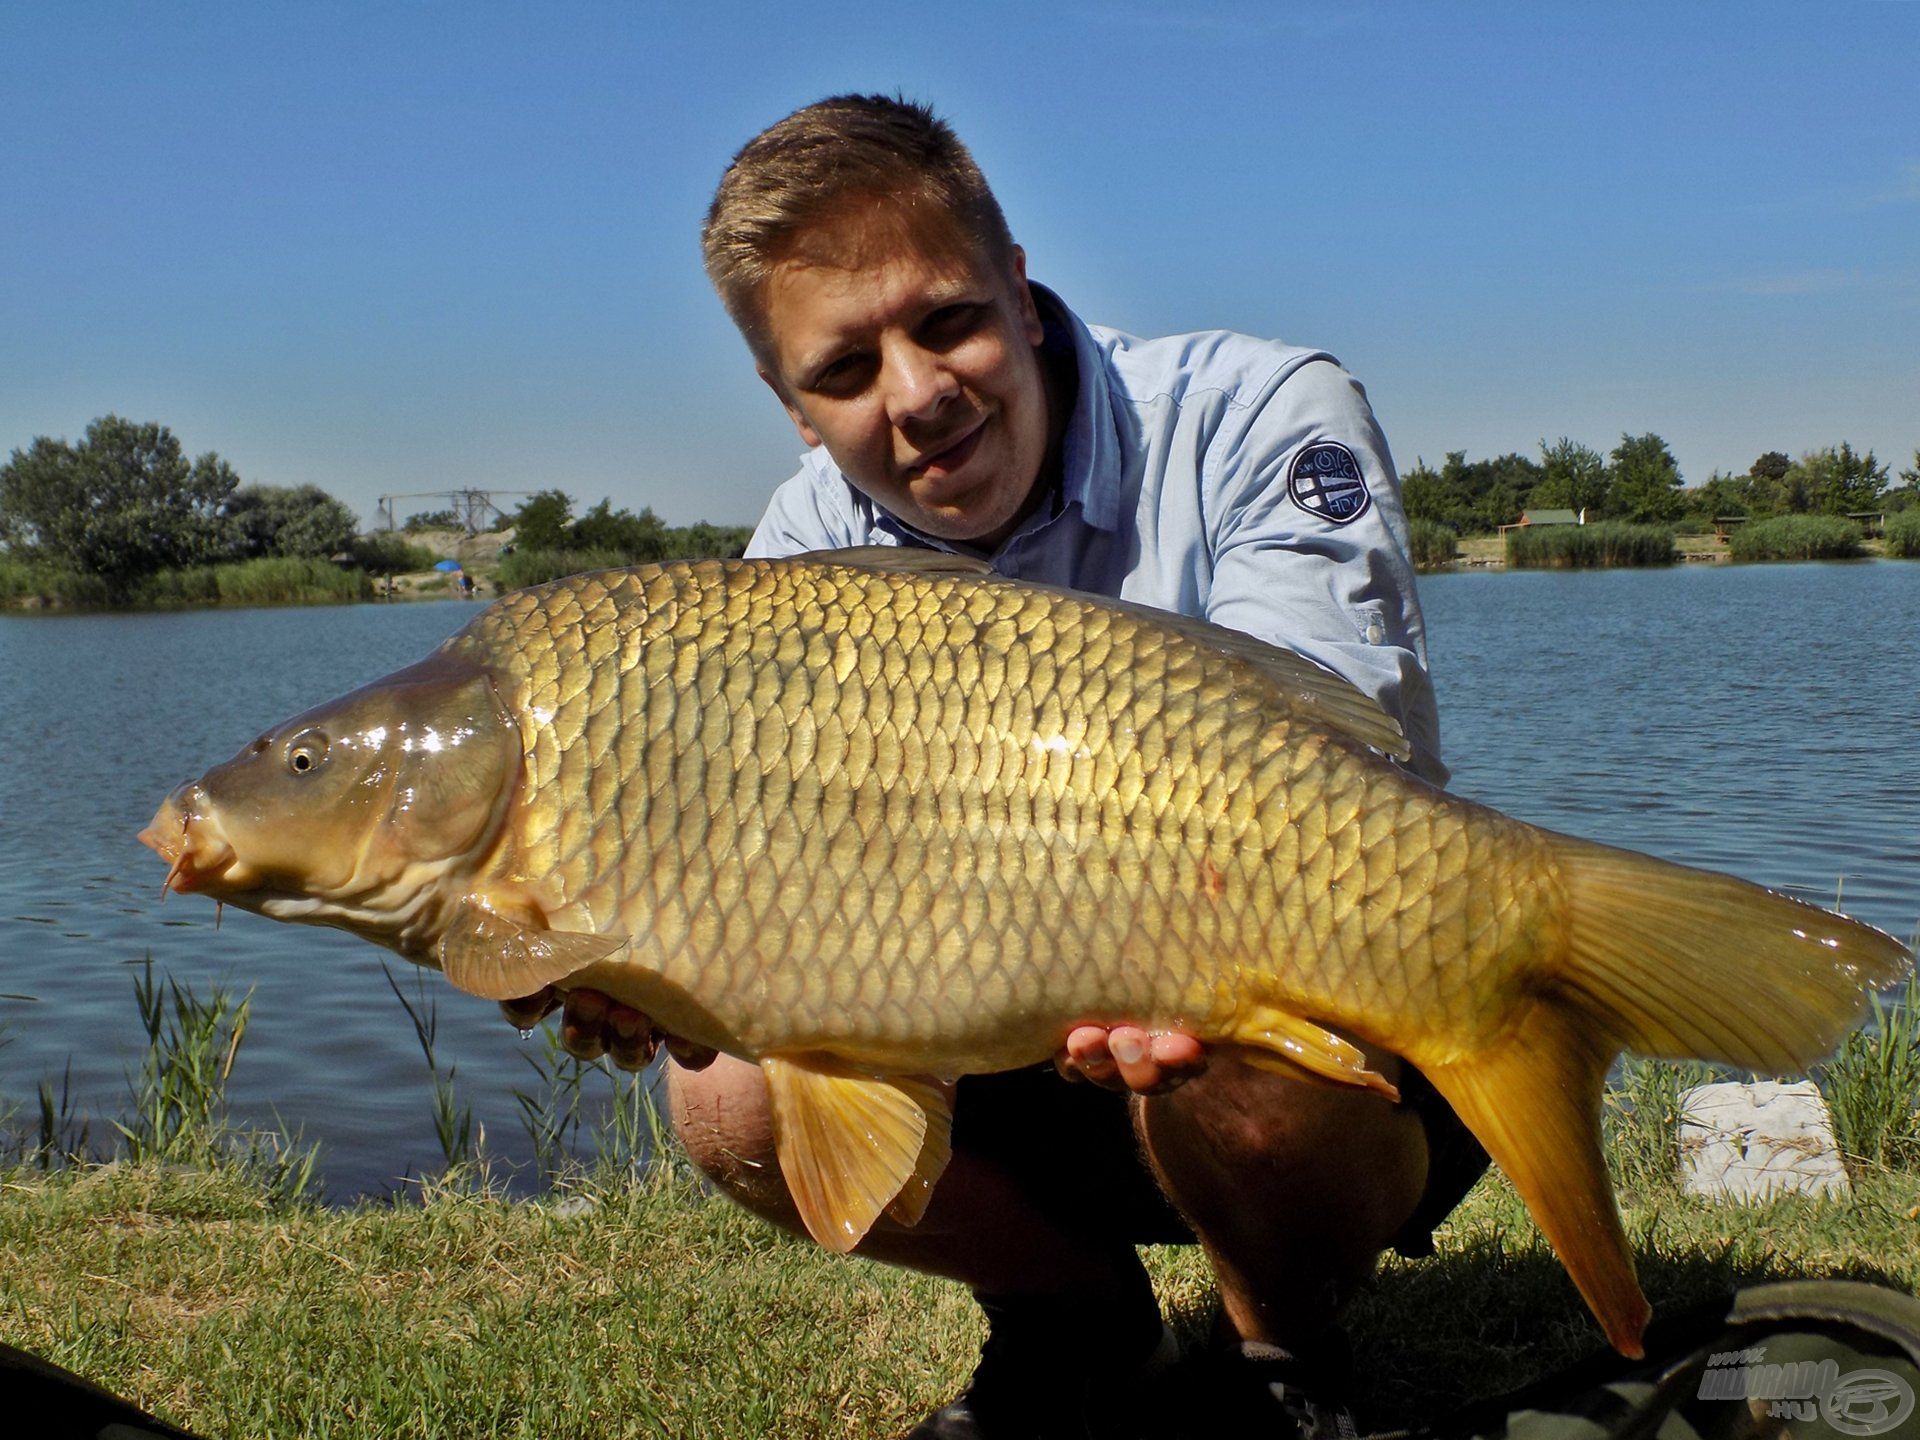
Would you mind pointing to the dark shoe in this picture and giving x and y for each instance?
(1255, 1389)
(1046, 1373)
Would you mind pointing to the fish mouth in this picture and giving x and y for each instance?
(199, 856)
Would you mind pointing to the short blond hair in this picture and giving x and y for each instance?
(886, 159)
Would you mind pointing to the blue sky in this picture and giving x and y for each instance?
(403, 247)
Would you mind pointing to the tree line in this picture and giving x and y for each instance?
(1640, 482)
(125, 503)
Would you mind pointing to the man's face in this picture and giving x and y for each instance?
(919, 374)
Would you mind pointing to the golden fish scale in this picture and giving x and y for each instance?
(934, 820)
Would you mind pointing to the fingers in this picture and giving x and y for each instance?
(529, 1010)
(690, 1056)
(593, 1024)
(1127, 1058)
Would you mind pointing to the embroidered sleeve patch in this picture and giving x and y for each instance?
(1326, 481)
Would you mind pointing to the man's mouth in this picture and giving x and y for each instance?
(950, 456)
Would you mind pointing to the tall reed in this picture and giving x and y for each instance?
(1903, 535)
(1640, 1120)
(1434, 545)
(1796, 537)
(1872, 1085)
(461, 1142)
(1602, 545)
(180, 1094)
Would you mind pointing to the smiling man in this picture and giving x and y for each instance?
(946, 402)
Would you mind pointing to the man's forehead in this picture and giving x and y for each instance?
(862, 233)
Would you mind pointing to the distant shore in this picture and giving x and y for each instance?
(1488, 552)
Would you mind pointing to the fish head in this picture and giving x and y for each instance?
(369, 812)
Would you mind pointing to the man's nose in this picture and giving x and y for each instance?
(919, 383)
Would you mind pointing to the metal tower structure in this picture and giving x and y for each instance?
(473, 509)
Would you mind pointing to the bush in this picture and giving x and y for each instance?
(1433, 544)
(1903, 535)
(1796, 537)
(1588, 547)
(536, 567)
(386, 553)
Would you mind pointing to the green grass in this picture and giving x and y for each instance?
(1434, 545)
(1605, 544)
(1796, 537)
(1903, 535)
(662, 1311)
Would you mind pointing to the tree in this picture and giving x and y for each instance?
(639, 538)
(542, 521)
(1721, 495)
(1645, 479)
(431, 520)
(1771, 466)
(121, 504)
(1837, 481)
(298, 520)
(1574, 478)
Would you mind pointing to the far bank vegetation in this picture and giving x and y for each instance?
(1634, 496)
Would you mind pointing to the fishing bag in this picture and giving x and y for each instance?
(1800, 1360)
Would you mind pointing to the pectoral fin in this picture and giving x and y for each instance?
(1274, 1040)
(489, 953)
(852, 1146)
(1534, 1102)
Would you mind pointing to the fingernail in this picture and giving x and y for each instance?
(1127, 1049)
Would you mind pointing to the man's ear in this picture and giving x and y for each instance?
(1029, 312)
(809, 436)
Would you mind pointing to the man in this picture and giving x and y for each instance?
(946, 402)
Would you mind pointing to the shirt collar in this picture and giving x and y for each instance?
(1090, 447)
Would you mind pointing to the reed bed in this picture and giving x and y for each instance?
(1796, 537)
(1903, 535)
(1604, 545)
(271, 581)
(1434, 545)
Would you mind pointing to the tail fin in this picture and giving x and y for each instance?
(1667, 961)
(1686, 964)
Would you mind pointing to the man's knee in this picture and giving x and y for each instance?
(1305, 1158)
(725, 1125)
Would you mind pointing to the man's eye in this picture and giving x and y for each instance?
(952, 322)
(844, 376)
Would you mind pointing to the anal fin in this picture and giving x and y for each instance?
(1272, 1039)
(853, 1146)
(1533, 1100)
(488, 953)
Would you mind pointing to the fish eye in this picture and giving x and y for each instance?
(305, 751)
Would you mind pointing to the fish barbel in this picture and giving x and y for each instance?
(875, 817)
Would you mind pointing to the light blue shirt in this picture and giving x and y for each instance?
(1212, 474)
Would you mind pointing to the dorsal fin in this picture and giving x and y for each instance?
(1310, 688)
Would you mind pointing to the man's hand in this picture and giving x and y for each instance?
(1129, 1058)
(593, 1024)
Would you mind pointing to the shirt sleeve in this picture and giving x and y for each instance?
(1309, 543)
(801, 516)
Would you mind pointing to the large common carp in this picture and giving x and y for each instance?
(877, 817)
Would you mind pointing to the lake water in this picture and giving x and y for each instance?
(1758, 720)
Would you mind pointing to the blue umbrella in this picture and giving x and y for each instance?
(448, 565)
